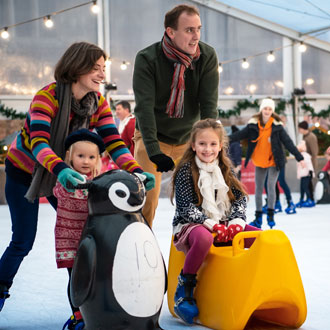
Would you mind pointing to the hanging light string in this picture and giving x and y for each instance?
(245, 64)
(255, 55)
(244, 59)
(7, 27)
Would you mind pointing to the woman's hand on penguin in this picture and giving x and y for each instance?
(69, 175)
(150, 180)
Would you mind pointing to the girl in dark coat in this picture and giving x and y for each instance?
(265, 133)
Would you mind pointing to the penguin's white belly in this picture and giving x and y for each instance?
(319, 191)
(138, 271)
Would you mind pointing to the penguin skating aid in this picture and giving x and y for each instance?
(119, 275)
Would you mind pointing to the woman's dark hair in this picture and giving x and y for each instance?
(77, 60)
(172, 16)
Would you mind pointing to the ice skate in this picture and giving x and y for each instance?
(185, 304)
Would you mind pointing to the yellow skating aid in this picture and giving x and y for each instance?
(235, 284)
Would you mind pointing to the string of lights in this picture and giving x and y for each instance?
(47, 18)
(270, 55)
(49, 23)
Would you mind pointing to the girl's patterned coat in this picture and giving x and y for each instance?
(186, 199)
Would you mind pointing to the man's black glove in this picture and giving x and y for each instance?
(163, 162)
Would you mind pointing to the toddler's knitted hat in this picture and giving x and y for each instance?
(84, 135)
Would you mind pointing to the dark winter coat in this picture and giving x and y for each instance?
(278, 136)
(235, 153)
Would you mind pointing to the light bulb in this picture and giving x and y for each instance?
(48, 22)
(5, 33)
(279, 83)
(310, 81)
(271, 57)
(317, 124)
(108, 61)
(123, 66)
(5, 148)
(95, 8)
(302, 47)
(220, 68)
(252, 88)
(245, 64)
(229, 90)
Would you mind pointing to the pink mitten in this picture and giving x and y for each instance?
(222, 234)
(233, 230)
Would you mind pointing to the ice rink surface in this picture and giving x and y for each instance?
(38, 296)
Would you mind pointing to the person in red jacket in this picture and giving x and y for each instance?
(326, 167)
(127, 123)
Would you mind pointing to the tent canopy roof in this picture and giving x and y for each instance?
(308, 17)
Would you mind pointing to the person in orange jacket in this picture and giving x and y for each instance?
(266, 134)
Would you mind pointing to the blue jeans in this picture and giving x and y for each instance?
(24, 219)
(283, 184)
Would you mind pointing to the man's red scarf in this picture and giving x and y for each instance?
(182, 61)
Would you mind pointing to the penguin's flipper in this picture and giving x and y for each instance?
(83, 272)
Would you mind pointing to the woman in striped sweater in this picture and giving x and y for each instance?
(35, 158)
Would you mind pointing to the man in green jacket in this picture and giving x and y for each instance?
(175, 83)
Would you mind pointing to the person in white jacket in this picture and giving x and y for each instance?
(305, 174)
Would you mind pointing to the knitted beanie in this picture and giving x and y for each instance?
(267, 103)
(84, 135)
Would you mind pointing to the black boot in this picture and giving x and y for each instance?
(257, 222)
(185, 304)
(270, 218)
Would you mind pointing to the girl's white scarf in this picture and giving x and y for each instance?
(211, 183)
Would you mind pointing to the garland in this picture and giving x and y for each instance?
(236, 111)
(307, 108)
(279, 108)
(11, 113)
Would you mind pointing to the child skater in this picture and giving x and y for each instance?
(83, 150)
(305, 174)
(209, 199)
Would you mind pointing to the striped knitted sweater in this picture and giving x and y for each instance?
(32, 143)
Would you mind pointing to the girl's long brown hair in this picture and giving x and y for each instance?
(225, 163)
